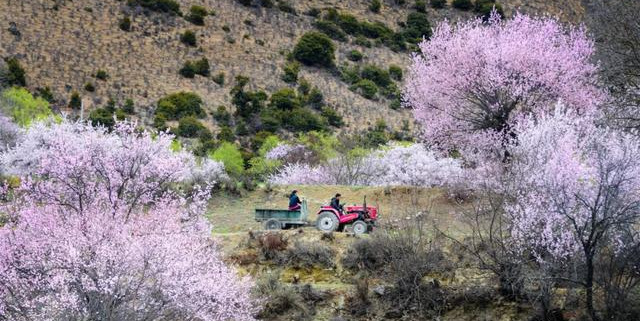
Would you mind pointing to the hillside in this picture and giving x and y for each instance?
(63, 43)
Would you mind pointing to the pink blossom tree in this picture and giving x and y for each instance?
(573, 191)
(471, 82)
(100, 230)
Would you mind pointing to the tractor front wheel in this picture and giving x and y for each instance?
(359, 227)
(327, 222)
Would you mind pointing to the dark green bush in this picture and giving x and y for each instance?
(168, 6)
(313, 12)
(180, 105)
(350, 75)
(349, 23)
(484, 7)
(284, 99)
(125, 23)
(75, 102)
(286, 7)
(219, 78)
(189, 38)
(197, 15)
(438, 4)
(89, 87)
(304, 87)
(333, 118)
(379, 76)
(355, 55)
(226, 134)
(15, 73)
(375, 30)
(395, 104)
(45, 93)
(316, 49)
(464, 5)
(247, 103)
(417, 26)
(366, 88)
(129, 106)
(246, 3)
(197, 67)
(222, 116)
(101, 74)
(160, 121)
(362, 41)
(375, 6)
(315, 98)
(189, 127)
(266, 3)
(303, 119)
(395, 72)
(291, 71)
(421, 6)
(331, 29)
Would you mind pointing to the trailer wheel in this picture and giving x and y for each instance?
(327, 222)
(359, 227)
(272, 224)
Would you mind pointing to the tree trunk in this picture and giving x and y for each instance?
(589, 286)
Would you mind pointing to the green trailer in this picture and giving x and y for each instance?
(275, 219)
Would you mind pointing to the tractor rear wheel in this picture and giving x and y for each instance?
(327, 222)
(359, 227)
(272, 224)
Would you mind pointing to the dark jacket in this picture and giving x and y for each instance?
(294, 200)
(335, 203)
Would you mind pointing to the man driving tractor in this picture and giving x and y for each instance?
(335, 203)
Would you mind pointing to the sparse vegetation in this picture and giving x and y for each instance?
(189, 38)
(125, 23)
(102, 74)
(197, 15)
(375, 6)
(197, 67)
(167, 6)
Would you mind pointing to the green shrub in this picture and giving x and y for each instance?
(375, 6)
(291, 71)
(286, 7)
(316, 49)
(464, 5)
(102, 75)
(179, 105)
(303, 120)
(366, 88)
(484, 8)
(417, 26)
(160, 121)
(313, 12)
(362, 41)
(349, 23)
(231, 157)
(331, 29)
(284, 99)
(198, 67)
(246, 3)
(271, 119)
(168, 6)
(438, 4)
(197, 15)
(395, 104)
(375, 30)
(266, 3)
(247, 103)
(106, 117)
(421, 6)
(190, 127)
(22, 107)
(15, 73)
(129, 106)
(222, 116)
(89, 87)
(46, 94)
(75, 102)
(219, 78)
(333, 118)
(226, 134)
(189, 38)
(395, 72)
(304, 87)
(377, 75)
(355, 55)
(315, 98)
(350, 75)
(226, 28)
(125, 23)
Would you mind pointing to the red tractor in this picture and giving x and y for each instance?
(361, 218)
